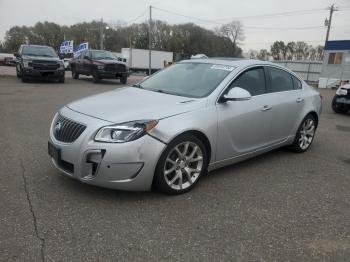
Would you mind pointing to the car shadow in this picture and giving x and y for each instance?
(94, 192)
(102, 81)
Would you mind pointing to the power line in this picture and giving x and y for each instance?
(186, 16)
(135, 19)
(296, 12)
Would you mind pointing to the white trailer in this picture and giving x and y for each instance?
(138, 59)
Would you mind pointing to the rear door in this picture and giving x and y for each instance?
(285, 92)
(244, 126)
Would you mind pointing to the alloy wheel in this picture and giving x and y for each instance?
(307, 133)
(183, 165)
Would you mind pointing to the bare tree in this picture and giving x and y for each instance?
(233, 31)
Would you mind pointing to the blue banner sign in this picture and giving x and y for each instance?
(78, 49)
(66, 47)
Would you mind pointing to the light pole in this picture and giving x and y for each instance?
(102, 33)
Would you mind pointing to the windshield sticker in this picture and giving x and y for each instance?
(223, 67)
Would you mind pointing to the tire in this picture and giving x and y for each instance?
(339, 107)
(61, 80)
(23, 77)
(124, 80)
(96, 76)
(305, 135)
(18, 73)
(75, 75)
(175, 172)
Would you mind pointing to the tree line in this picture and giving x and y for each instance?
(182, 39)
(280, 50)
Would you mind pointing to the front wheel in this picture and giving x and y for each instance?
(181, 165)
(305, 135)
(124, 80)
(339, 108)
(95, 76)
(75, 75)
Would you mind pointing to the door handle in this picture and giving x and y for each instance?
(266, 108)
(299, 99)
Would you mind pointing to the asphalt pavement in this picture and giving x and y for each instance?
(279, 206)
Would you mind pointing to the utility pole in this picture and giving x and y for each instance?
(150, 40)
(101, 34)
(328, 22)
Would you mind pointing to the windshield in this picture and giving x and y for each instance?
(102, 55)
(38, 51)
(187, 79)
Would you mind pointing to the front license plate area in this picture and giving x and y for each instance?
(54, 152)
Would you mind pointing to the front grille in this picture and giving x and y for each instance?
(44, 65)
(115, 68)
(66, 130)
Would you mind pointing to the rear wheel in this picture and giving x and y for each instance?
(181, 165)
(339, 108)
(75, 75)
(305, 135)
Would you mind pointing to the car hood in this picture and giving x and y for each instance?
(131, 103)
(44, 58)
(108, 61)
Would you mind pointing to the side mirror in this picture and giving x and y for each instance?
(86, 57)
(16, 54)
(236, 94)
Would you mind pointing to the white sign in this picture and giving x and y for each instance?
(80, 48)
(66, 47)
(223, 67)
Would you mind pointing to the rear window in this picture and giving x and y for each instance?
(296, 83)
(280, 80)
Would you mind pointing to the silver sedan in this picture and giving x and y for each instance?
(170, 129)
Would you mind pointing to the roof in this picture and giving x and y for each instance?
(236, 62)
(337, 45)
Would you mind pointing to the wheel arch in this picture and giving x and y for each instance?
(315, 115)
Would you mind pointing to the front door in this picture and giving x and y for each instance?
(244, 126)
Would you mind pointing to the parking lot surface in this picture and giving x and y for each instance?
(279, 206)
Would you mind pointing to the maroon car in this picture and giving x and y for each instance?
(100, 64)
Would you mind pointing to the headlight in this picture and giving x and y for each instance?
(61, 63)
(100, 67)
(342, 92)
(26, 63)
(125, 132)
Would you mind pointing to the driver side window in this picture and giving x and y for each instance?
(252, 80)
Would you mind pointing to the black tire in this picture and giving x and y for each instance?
(75, 75)
(124, 80)
(96, 77)
(160, 180)
(339, 107)
(61, 80)
(24, 77)
(18, 72)
(297, 143)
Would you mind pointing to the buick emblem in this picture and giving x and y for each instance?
(58, 128)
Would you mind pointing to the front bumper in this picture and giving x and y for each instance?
(343, 99)
(30, 72)
(124, 166)
(111, 74)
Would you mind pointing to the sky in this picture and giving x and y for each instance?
(261, 24)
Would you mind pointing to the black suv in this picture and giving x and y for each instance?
(35, 61)
(100, 64)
